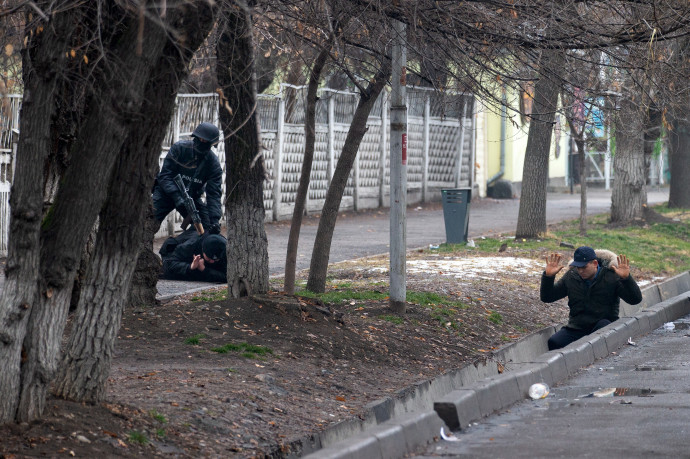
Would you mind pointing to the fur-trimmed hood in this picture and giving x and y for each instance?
(606, 258)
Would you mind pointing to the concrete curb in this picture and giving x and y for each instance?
(562, 363)
(391, 439)
(459, 398)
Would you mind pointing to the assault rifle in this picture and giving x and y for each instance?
(192, 213)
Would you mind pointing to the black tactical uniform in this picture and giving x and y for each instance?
(200, 171)
(177, 258)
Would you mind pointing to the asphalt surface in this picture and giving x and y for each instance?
(646, 417)
(366, 233)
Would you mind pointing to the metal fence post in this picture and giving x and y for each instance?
(461, 146)
(278, 162)
(383, 149)
(473, 137)
(331, 137)
(176, 120)
(355, 179)
(425, 149)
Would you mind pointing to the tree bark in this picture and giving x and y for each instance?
(580, 142)
(629, 194)
(244, 207)
(652, 132)
(679, 148)
(303, 188)
(532, 213)
(85, 367)
(324, 235)
(43, 60)
(577, 133)
(115, 101)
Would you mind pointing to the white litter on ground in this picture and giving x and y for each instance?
(653, 280)
(479, 267)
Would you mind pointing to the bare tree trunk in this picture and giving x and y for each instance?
(679, 148)
(80, 197)
(652, 132)
(324, 235)
(85, 367)
(532, 214)
(244, 207)
(629, 194)
(303, 188)
(142, 288)
(43, 59)
(580, 142)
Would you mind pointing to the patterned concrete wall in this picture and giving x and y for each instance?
(283, 145)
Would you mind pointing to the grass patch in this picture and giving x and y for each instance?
(657, 248)
(393, 319)
(211, 296)
(137, 437)
(339, 296)
(347, 295)
(340, 285)
(158, 417)
(491, 245)
(660, 248)
(443, 308)
(670, 212)
(195, 340)
(249, 351)
(495, 318)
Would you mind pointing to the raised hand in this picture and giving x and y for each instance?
(197, 263)
(623, 268)
(553, 264)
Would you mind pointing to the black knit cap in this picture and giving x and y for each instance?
(214, 247)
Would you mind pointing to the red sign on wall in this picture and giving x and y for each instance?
(404, 149)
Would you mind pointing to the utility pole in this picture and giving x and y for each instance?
(398, 172)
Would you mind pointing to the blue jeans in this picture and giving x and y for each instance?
(566, 335)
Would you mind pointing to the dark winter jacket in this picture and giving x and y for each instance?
(176, 264)
(200, 172)
(588, 305)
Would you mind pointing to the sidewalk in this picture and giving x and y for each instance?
(646, 416)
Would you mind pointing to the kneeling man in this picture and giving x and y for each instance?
(594, 286)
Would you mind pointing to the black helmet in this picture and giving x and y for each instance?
(207, 132)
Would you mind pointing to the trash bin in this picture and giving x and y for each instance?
(456, 213)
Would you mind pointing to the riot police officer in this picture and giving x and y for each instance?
(201, 172)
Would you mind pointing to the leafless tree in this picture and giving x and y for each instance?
(244, 208)
(118, 60)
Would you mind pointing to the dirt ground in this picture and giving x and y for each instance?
(195, 377)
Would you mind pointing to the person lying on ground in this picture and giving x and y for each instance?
(594, 285)
(195, 258)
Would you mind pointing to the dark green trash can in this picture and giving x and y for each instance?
(456, 213)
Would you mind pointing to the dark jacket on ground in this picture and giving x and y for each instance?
(176, 264)
(588, 305)
(199, 173)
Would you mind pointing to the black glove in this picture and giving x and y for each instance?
(213, 229)
(179, 206)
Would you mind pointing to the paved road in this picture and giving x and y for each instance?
(359, 235)
(648, 419)
(367, 233)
